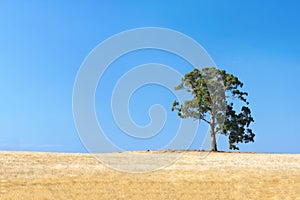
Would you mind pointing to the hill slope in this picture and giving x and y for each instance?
(195, 175)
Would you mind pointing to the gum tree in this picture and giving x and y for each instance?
(216, 97)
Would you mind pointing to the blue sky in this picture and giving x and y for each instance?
(43, 44)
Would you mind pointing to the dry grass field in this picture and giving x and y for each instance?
(25, 175)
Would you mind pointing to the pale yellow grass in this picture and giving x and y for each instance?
(193, 176)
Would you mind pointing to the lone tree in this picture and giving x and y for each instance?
(216, 94)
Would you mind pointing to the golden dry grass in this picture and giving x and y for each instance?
(193, 176)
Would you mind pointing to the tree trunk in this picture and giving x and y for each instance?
(212, 127)
(213, 140)
(213, 135)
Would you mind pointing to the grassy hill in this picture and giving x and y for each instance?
(195, 175)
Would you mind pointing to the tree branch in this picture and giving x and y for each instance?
(202, 118)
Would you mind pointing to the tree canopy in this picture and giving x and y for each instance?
(217, 96)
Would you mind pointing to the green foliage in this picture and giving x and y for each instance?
(211, 89)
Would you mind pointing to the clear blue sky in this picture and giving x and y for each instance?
(43, 44)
